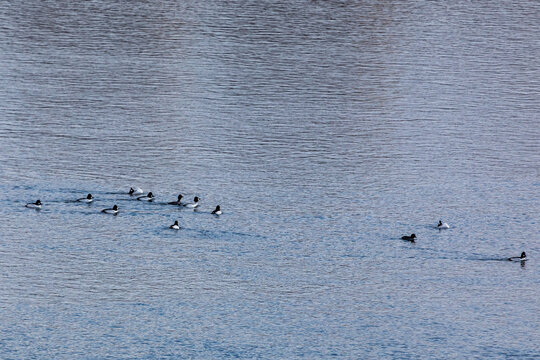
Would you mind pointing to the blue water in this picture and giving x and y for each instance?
(326, 130)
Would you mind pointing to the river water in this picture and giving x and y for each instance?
(326, 130)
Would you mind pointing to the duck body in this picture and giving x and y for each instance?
(113, 210)
(135, 191)
(148, 197)
(217, 211)
(88, 199)
(34, 205)
(523, 257)
(175, 226)
(194, 204)
(409, 238)
(178, 201)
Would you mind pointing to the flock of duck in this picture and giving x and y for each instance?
(148, 197)
(440, 226)
(217, 211)
(443, 226)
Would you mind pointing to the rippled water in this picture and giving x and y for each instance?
(325, 129)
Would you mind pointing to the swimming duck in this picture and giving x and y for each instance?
(217, 211)
(194, 204)
(148, 197)
(113, 210)
(523, 257)
(409, 238)
(442, 225)
(35, 205)
(175, 226)
(177, 202)
(88, 199)
(135, 191)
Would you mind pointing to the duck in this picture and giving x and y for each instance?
(175, 226)
(194, 204)
(523, 257)
(135, 191)
(409, 238)
(34, 205)
(148, 197)
(88, 199)
(217, 211)
(113, 210)
(442, 225)
(177, 202)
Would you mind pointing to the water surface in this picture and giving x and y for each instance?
(325, 129)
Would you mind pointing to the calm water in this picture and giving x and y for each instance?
(325, 129)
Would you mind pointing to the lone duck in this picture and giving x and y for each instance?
(409, 238)
(35, 205)
(442, 225)
(523, 257)
(113, 210)
(88, 199)
(148, 197)
(175, 226)
(135, 191)
(177, 202)
(217, 211)
(194, 204)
